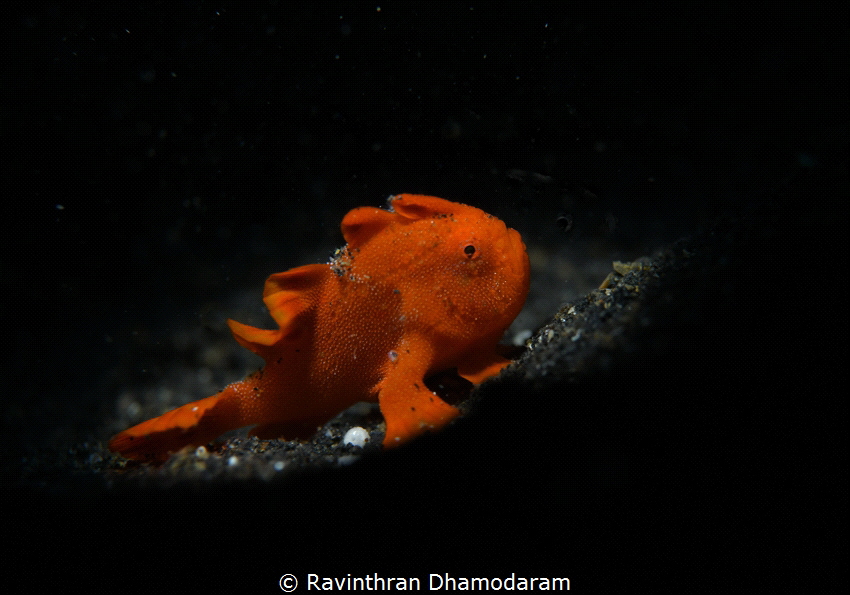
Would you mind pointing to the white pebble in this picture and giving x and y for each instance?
(356, 436)
(521, 337)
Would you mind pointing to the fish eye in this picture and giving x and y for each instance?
(469, 250)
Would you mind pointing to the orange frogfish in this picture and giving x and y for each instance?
(425, 287)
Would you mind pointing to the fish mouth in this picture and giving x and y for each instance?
(518, 260)
(517, 245)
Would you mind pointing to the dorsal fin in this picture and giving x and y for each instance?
(420, 206)
(362, 223)
(287, 295)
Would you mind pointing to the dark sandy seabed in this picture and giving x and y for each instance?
(585, 338)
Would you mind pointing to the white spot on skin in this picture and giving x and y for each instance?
(393, 355)
(356, 436)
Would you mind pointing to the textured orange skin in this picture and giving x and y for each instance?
(427, 286)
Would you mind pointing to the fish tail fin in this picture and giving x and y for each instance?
(194, 424)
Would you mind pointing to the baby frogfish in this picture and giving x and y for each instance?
(425, 287)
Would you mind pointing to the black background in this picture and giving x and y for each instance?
(161, 156)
